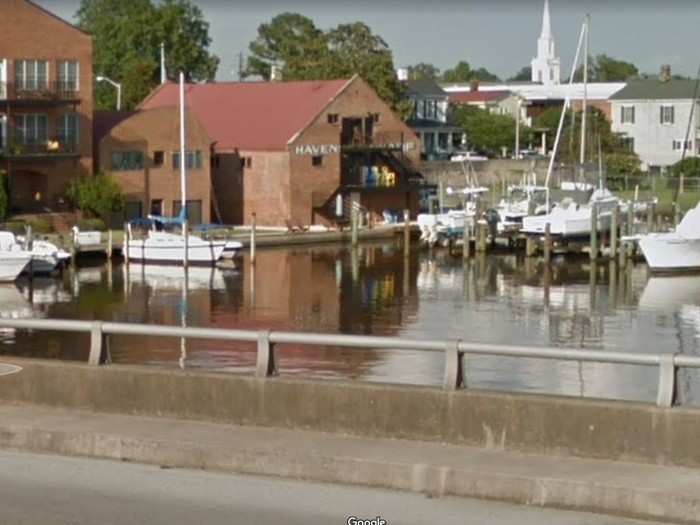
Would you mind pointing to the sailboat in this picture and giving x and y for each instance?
(161, 247)
(568, 218)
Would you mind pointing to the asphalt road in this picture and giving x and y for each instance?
(49, 490)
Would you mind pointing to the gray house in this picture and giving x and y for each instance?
(653, 115)
(429, 119)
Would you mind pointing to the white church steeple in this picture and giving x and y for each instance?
(546, 65)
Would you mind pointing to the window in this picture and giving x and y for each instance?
(246, 162)
(627, 115)
(431, 109)
(375, 117)
(678, 145)
(666, 114)
(32, 75)
(127, 160)
(317, 160)
(193, 160)
(32, 128)
(332, 118)
(157, 207)
(193, 212)
(627, 143)
(68, 129)
(67, 75)
(158, 158)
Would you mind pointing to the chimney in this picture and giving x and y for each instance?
(275, 73)
(665, 74)
(474, 84)
(402, 74)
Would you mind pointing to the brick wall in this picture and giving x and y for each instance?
(29, 32)
(154, 130)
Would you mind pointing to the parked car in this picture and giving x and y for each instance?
(464, 156)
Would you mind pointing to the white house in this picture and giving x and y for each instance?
(429, 119)
(654, 116)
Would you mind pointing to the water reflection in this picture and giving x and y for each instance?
(376, 290)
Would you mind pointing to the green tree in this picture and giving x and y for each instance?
(617, 157)
(356, 50)
(97, 196)
(463, 72)
(127, 35)
(523, 75)
(423, 71)
(292, 42)
(488, 132)
(689, 167)
(603, 68)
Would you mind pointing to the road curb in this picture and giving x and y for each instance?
(432, 480)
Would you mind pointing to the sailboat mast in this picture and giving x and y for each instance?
(183, 163)
(585, 94)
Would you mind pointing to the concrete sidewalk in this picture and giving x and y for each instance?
(669, 494)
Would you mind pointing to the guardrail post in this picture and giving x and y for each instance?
(97, 344)
(454, 376)
(266, 365)
(667, 381)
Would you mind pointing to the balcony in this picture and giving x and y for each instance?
(51, 149)
(59, 92)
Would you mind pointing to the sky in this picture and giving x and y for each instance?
(500, 35)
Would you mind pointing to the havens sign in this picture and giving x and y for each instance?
(330, 149)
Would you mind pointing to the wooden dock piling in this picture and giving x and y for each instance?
(127, 238)
(466, 239)
(406, 233)
(594, 233)
(547, 243)
(614, 223)
(110, 244)
(651, 210)
(530, 246)
(253, 226)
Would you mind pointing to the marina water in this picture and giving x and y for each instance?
(374, 290)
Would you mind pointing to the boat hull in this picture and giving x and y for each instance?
(12, 264)
(670, 252)
(170, 249)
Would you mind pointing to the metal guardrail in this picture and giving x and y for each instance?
(454, 350)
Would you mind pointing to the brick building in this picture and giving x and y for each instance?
(141, 150)
(45, 105)
(300, 152)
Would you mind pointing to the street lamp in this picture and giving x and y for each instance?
(116, 85)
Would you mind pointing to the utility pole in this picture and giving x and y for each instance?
(240, 67)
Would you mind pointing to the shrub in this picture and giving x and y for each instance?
(689, 167)
(16, 227)
(96, 197)
(40, 226)
(91, 224)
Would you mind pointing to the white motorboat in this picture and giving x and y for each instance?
(12, 263)
(569, 219)
(160, 247)
(674, 251)
(46, 256)
(438, 226)
(231, 249)
(519, 202)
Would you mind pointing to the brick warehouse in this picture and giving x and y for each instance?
(300, 152)
(45, 105)
(141, 150)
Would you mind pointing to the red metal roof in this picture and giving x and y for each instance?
(251, 115)
(476, 97)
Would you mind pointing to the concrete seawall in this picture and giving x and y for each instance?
(517, 422)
